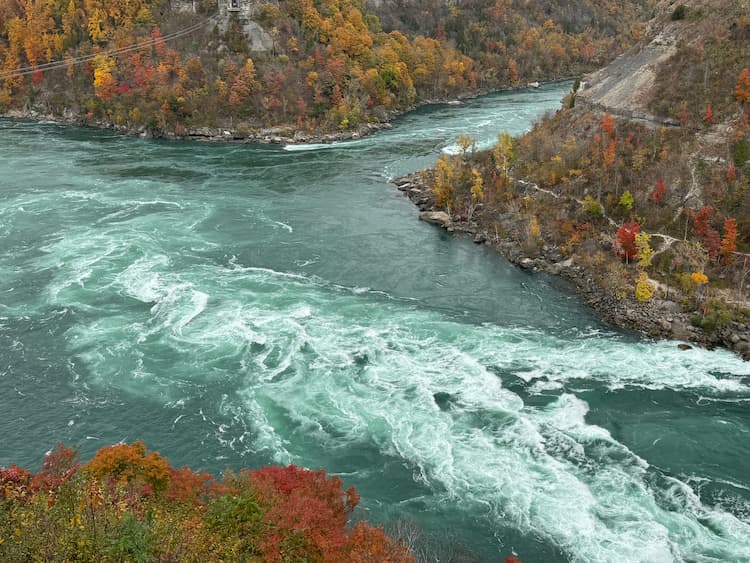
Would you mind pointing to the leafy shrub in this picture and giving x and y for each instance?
(741, 152)
(715, 315)
(127, 504)
(591, 206)
(644, 291)
(679, 12)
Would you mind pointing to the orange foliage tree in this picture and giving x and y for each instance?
(130, 464)
(729, 241)
(742, 89)
(708, 116)
(608, 124)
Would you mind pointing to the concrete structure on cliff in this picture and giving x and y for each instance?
(243, 11)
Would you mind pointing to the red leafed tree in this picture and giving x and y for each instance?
(729, 242)
(367, 544)
(708, 117)
(625, 246)
(239, 92)
(13, 475)
(307, 504)
(608, 124)
(659, 191)
(713, 244)
(59, 465)
(742, 89)
(187, 486)
(37, 76)
(702, 221)
(705, 232)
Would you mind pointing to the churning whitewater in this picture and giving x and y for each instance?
(237, 305)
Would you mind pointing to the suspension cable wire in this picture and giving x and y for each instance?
(55, 65)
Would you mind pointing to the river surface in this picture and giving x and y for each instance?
(240, 305)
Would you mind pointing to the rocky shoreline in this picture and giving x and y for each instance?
(277, 135)
(659, 318)
(272, 135)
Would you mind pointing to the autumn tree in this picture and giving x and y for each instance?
(104, 82)
(244, 85)
(659, 191)
(729, 241)
(703, 230)
(130, 464)
(504, 154)
(58, 466)
(609, 156)
(644, 251)
(626, 200)
(625, 245)
(708, 116)
(742, 89)
(644, 291)
(712, 241)
(702, 220)
(445, 171)
(731, 173)
(477, 192)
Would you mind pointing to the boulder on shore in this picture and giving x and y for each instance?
(436, 217)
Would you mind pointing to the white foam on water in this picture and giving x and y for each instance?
(451, 150)
(352, 372)
(309, 372)
(527, 467)
(618, 363)
(283, 226)
(130, 209)
(325, 146)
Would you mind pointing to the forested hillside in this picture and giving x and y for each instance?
(515, 42)
(642, 181)
(332, 65)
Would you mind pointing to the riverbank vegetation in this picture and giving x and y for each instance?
(329, 66)
(654, 208)
(129, 504)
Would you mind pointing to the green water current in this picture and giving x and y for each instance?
(239, 305)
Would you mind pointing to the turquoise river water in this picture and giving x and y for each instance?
(239, 305)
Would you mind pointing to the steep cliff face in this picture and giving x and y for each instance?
(685, 75)
(690, 58)
(624, 87)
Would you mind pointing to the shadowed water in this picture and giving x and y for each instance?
(238, 305)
